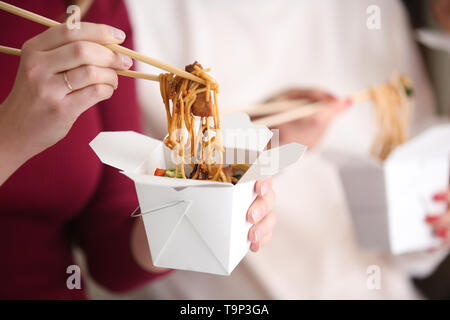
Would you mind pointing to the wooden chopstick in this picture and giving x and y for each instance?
(360, 96)
(278, 112)
(126, 73)
(138, 75)
(290, 115)
(9, 50)
(270, 107)
(114, 47)
(304, 111)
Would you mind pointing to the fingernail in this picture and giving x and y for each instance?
(255, 236)
(256, 215)
(442, 233)
(440, 196)
(264, 189)
(118, 34)
(348, 102)
(127, 61)
(431, 219)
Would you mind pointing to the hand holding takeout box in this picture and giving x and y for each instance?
(194, 225)
(389, 202)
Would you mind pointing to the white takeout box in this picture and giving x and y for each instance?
(191, 224)
(389, 202)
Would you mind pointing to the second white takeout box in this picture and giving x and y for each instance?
(389, 202)
(191, 224)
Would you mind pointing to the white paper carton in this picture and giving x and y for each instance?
(191, 224)
(389, 202)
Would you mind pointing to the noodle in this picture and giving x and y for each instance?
(181, 98)
(392, 115)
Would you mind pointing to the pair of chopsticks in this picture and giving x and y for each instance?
(272, 114)
(114, 47)
(126, 73)
(267, 108)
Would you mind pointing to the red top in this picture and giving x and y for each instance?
(65, 196)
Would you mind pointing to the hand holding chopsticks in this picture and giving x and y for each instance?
(114, 47)
(126, 73)
(60, 76)
(272, 114)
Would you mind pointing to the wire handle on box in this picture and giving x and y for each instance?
(164, 206)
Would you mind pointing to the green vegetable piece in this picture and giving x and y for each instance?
(409, 91)
(170, 173)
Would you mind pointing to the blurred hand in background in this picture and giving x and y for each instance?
(441, 223)
(309, 130)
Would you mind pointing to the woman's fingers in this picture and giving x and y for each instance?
(260, 214)
(262, 186)
(81, 100)
(261, 233)
(440, 222)
(49, 94)
(80, 53)
(442, 196)
(261, 207)
(324, 117)
(263, 203)
(60, 35)
(85, 76)
(313, 95)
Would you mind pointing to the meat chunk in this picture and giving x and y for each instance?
(228, 171)
(190, 67)
(201, 107)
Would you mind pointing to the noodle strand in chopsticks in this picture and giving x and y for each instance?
(179, 96)
(392, 110)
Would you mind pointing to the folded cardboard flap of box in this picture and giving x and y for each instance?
(192, 224)
(388, 202)
(138, 155)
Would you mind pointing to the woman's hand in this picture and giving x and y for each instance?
(42, 107)
(260, 214)
(308, 131)
(441, 223)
